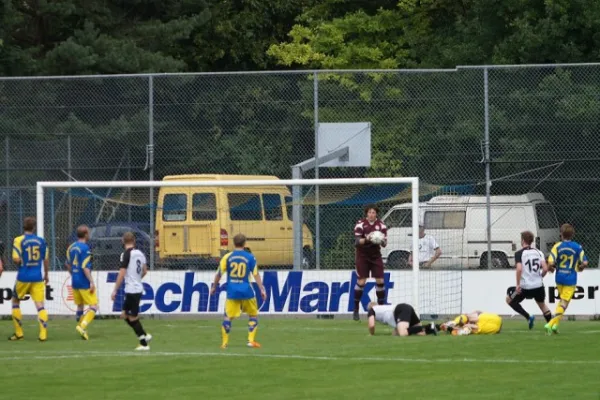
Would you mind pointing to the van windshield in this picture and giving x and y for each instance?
(545, 216)
(401, 218)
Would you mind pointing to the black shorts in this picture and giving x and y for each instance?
(406, 313)
(131, 305)
(538, 294)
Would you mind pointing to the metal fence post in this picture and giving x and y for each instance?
(151, 163)
(317, 214)
(8, 243)
(488, 182)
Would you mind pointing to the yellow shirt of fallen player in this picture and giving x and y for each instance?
(30, 253)
(79, 263)
(476, 323)
(239, 265)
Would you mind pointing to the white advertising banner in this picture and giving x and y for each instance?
(309, 292)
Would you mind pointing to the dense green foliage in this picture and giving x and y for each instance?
(427, 124)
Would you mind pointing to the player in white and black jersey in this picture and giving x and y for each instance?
(132, 269)
(531, 268)
(402, 317)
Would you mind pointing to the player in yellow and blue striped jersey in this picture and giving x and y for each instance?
(239, 265)
(30, 253)
(79, 265)
(567, 258)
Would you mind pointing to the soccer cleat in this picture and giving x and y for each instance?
(254, 345)
(224, 346)
(15, 338)
(355, 316)
(141, 347)
(82, 332)
(434, 329)
(548, 329)
(531, 322)
(42, 339)
(555, 329)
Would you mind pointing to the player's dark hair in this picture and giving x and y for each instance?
(29, 224)
(567, 231)
(527, 237)
(239, 240)
(82, 230)
(128, 238)
(370, 207)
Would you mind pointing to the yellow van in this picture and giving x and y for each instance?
(200, 222)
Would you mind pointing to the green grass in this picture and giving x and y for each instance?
(300, 359)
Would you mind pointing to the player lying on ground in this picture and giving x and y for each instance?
(30, 253)
(368, 256)
(476, 323)
(568, 258)
(401, 317)
(531, 269)
(132, 269)
(239, 265)
(79, 265)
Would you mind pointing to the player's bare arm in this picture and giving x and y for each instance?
(118, 283)
(519, 273)
(263, 292)
(144, 270)
(544, 265)
(216, 281)
(46, 268)
(88, 275)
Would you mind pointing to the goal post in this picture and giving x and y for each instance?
(103, 202)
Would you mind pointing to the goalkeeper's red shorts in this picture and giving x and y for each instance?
(369, 266)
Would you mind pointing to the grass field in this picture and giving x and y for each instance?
(300, 359)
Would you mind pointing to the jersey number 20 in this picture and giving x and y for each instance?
(238, 270)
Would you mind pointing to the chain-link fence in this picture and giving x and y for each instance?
(534, 128)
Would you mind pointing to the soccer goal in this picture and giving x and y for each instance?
(186, 224)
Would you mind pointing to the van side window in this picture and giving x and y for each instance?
(204, 207)
(399, 219)
(175, 207)
(444, 220)
(272, 204)
(244, 207)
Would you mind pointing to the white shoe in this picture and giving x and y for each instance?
(142, 348)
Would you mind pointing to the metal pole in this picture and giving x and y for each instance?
(69, 198)
(151, 162)
(297, 219)
(8, 243)
(129, 191)
(488, 180)
(316, 127)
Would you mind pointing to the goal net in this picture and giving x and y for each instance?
(300, 231)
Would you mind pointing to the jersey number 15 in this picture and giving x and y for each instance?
(533, 265)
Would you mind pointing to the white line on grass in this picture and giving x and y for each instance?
(49, 355)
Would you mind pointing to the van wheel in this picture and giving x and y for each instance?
(398, 260)
(499, 261)
(308, 258)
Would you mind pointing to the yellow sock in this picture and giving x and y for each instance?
(252, 328)
(558, 314)
(17, 318)
(88, 317)
(225, 328)
(43, 320)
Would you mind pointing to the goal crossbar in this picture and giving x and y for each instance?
(412, 181)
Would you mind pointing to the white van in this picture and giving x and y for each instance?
(458, 223)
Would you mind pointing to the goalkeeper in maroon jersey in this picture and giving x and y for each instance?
(368, 256)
